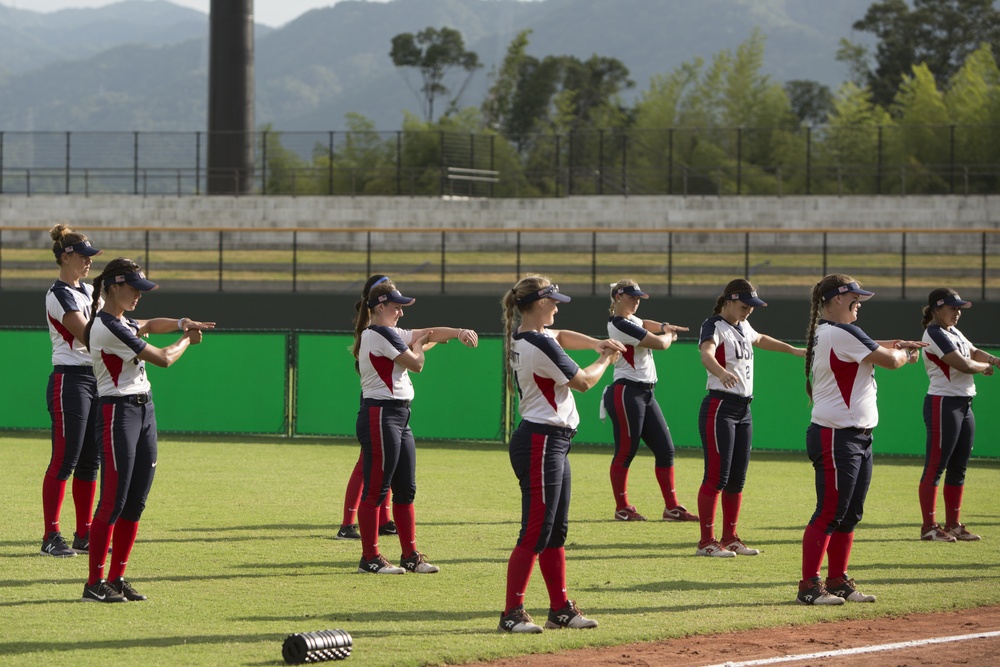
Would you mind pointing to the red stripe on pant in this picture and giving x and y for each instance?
(713, 466)
(536, 509)
(624, 428)
(937, 440)
(831, 494)
(377, 471)
(109, 466)
(58, 425)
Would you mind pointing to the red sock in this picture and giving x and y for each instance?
(619, 485)
(708, 501)
(665, 477)
(352, 497)
(552, 563)
(814, 545)
(100, 539)
(928, 504)
(519, 567)
(406, 525)
(368, 526)
(839, 553)
(731, 503)
(83, 500)
(952, 503)
(124, 540)
(383, 510)
(53, 491)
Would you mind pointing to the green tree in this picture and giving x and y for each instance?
(434, 53)
(940, 33)
(811, 101)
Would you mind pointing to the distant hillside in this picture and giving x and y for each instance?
(140, 65)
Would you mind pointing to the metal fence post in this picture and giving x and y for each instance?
(68, 150)
(330, 171)
(263, 164)
(295, 260)
(220, 260)
(903, 269)
(670, 161)
(670, 263)
(517, 250)
(197, 163)
(368, 256)
(746, 255)
(982, 293)
(442, 260)
(145, 262)
(593, 263)
(135, 163)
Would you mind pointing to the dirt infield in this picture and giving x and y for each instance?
(807, 639)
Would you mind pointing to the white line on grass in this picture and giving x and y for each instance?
(857, 651)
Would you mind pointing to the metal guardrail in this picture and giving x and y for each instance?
(437, 260)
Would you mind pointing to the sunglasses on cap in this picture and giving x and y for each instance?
(547, 292)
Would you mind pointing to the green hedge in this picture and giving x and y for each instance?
(242, 382)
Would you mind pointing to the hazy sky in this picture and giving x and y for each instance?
(269, 12)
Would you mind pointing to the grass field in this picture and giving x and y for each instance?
(235, 552)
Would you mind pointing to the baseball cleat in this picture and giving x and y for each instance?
(843, 587)
(569, 617)
(418, 563)
(378, 565)
(628, 513)
(961, 533)
(737, 547)
(81, 545)
(388, 528)
(714, 549)
(812, 591)
(124, 588)
(936, 533)
(348, 532)
(679, 513)
(518, 620)
(55, 545)
(102, 592)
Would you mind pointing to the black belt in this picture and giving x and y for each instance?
(134, 399)
(73, 370)
(646, 386)
(548, 429)
(729, 396)
(385, 403)
(860, 431)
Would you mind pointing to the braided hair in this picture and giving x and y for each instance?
(830, 282)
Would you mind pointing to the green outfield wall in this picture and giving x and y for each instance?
(304, 384)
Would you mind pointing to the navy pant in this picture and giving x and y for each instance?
(127, 436)
(388, 452)
(636, 416)
(539, 455)
(726, 428)
(951, 428)
(71, 396)
(842, 459)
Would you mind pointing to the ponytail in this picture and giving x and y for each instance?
(828, 283)
(512, 318)
(362, 315)
(62, 236)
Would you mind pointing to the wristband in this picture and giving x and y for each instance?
(180, 326)
(663, 327)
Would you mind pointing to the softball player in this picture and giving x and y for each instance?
(726, 343)
(71, 394)
(840, 380)
(629, 400)
(385, 354)
(540, 445)
(951, 361)
(126, 423)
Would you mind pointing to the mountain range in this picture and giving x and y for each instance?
(143, 64)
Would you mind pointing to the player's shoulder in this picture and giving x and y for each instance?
(846, 331)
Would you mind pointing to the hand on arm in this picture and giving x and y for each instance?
(466, 337)
(162, 325)
(586, 378)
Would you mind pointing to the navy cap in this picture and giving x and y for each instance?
(137, 280)
(393, 297)
(852, 288)
(951, 299)
(630, 290)
(749, 298)
(547, 292)
(80, 248)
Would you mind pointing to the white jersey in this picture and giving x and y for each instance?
(63, 298)
(381, 377)
(843, 384)
(542, 371)
(635, 363)
(945, 380)
(733, 351)
(114, 350)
